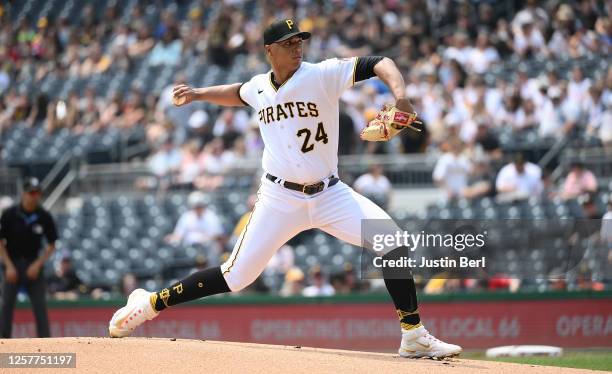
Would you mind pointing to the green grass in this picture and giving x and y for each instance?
(594, 360)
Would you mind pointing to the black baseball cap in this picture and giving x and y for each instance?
(283, 30)
(32, 184)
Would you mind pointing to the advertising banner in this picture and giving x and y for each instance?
(576, 323)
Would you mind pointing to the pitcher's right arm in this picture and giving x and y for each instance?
(225, 95)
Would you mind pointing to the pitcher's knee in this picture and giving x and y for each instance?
(236, 281)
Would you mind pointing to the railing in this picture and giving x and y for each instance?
(404, 171)
(56, 170)
(595, 159)
(10, 182)
(553, 152)
(59, 190)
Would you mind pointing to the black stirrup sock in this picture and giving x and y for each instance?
(402, 289)
(199, 284)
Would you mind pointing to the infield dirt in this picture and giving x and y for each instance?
(162, 355)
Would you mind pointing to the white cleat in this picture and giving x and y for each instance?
(419, 343)
(137, 310)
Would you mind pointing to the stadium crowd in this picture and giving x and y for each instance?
(443, 47)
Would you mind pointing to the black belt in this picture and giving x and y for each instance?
(308, 189)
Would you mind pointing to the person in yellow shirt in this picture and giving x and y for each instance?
(244, 219)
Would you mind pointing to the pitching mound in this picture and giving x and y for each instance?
(157, 355)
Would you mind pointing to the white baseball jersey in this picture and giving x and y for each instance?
(299, 125)
(298, 121)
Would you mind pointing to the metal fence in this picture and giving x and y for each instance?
(10, 182)
(403, 171)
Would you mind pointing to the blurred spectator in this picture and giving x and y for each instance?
(526, 118)
(65, 284)
(589, 206)
(143, 43)
(346, 282)
(190, 165)
(558, 117)
(230, 124)
(531, 11)
(593, 106)
(603, 28)
(166, 161)
(578, 86)
(132, 112)
(244, 219)
(96, 62)
(601, 125)
(123, 39)
(375, 186)
(294, 283)
(606, 226)
(441, 283)
(486, 147)
(482, 56)
(481, 181)
(319, 285)
(167, 51)
(528, 39)
(452, 170)
(128, 284)
(112, 111)
(197, 121)
(236, 156)
(38, 113)
(282, 261)
(578, 181)
(503, 282)
(519, 180)
(199, 225)
(211, 158)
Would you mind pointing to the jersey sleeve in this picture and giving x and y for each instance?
(364, 67)
(338, 75)
(245, 93)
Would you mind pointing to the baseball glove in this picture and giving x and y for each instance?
(388, 123)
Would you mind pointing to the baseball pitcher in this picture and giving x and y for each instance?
(297, 109)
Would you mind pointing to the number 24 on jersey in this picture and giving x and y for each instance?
(320, 136)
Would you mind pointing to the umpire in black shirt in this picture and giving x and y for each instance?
(22, 228)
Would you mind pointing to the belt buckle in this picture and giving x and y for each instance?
(313, 188)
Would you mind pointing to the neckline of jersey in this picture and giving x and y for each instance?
(273, 83)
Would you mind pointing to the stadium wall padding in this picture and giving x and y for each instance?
(566, 319)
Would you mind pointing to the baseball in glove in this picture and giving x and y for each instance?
(388, 123)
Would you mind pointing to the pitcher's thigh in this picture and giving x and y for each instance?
(266, 231)
(349, 210)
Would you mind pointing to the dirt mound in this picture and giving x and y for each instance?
(156, 355)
